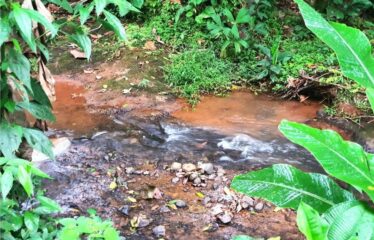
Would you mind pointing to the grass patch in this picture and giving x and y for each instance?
(196, 72)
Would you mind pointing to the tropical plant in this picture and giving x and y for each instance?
(325, 210)
(271, 65)
(25, 31)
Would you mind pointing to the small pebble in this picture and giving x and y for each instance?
(125, 210)
(225, 218)
(159, 231)
(175, 180)
(164, 209)
(180, 204)
(189, 167)
(259, 206)
(175, 166)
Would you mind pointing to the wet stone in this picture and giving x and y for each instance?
(164, 209)
(159, 231)
(125, 210)
(143, 222)
(175, 180)
(175, 166)
(208, 168)
(197, 181)
(189, 167)
(259, 206)
(180, 204)
(225, 218)
(193, 176)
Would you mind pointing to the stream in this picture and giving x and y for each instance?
(123, 147)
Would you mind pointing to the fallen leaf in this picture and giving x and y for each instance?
(149, 45)
(113, 185)
(78, 54)
(131, 199)
(200, 195)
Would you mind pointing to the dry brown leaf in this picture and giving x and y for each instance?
(40, 7)
(150, 45)
(47, 81)
(78, 54)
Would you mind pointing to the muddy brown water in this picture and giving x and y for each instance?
(148, 130)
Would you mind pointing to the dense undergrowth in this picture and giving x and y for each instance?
(269, 49)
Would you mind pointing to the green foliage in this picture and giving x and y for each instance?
(21, 92)
(342, 159)
(287, 186)
(198, 72)
(90, 227)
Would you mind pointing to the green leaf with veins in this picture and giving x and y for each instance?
(24, 23)
(116, 25)
(37, 140)
(342, 159)
(286, 186)
(310, 223)
(10, 139)
(20, 66)
(352, 47)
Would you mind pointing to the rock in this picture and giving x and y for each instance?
(130, 170)
(208, 168)
(59, 146)
(197, 181)
(180, 204)
(189, 167)
(164, 209)
(206, 200)
(125, 210)
(159, 231)
(193, 176)
(247, 202)
(220, 171)
(259, 206)
(143, 222)
(225, 218)
(180, 174)
(175, 166)
(175, 180)
(217, 209)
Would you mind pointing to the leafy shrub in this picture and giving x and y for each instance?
(24, 212)
(198, 72)
(325, 210)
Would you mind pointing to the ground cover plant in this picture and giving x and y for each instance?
(325, 210)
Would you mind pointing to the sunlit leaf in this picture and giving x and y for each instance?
(31, 221)
(37, 17)
(116, 25)
(24, 23)
(10, 139)
(37, 140)
(100, 6)
(24, 179)
(5, 30)
(20, 66)
(286, 186)
(6, 182)
(344, 160)
(310, 223)
(351, 46)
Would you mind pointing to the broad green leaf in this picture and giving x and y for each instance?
(116, 25)
(5, 30)
(37, 140)
(351, 46)
(125, 7)
(137, 3)
(43, 49)
(243, 16)
(286, 186)
(100, 6)
(310, 223)
(10, 139)
(20, 66)
(24, 23)
(83, 42)
(47, 206)
(344, 160)
(6, 182)
(337, 210)
(38, 93)
(355, 223)
(37, 17)
(31, 221)
(370, 95)
(37, 110)
(24, 179)
(229, 15)
(84, 13)
(110, 234)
